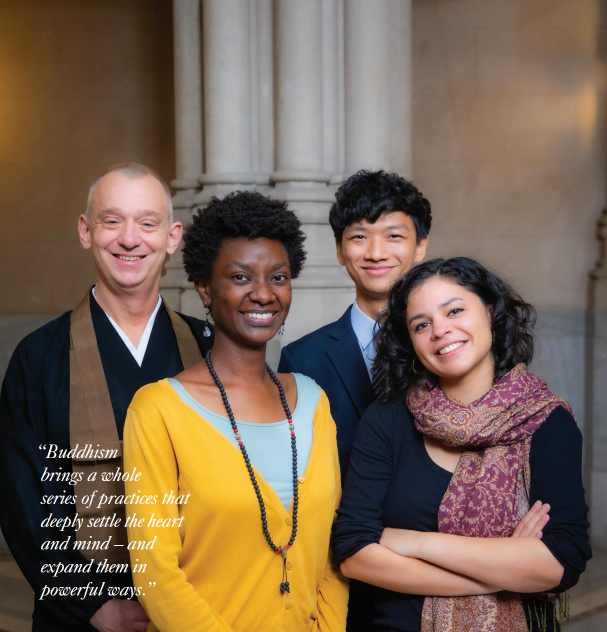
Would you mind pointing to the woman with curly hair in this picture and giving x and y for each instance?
(453, 473)
(239, 469)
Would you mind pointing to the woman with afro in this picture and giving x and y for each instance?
(240, 463)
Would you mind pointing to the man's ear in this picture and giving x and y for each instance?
(175, 233)
(339, 252)
(420, 249)
(84, 232)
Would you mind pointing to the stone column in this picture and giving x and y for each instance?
(188, 100)
(595, 430)
(400, 50)
(188, 131)
(226, 33)
(299, 111)
(367, 84)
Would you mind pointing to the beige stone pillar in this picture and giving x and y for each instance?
(188, 132)
(226, 34)
(367, 84)
(400, 51)
(188, 99)
(299, 102)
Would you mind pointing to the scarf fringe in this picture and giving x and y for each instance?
(541, 612)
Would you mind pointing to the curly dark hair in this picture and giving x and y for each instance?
(369, 194)
(242, 214)
(511, 322)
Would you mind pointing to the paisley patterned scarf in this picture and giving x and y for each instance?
(489, 491)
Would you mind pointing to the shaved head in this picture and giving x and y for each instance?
(132, 171)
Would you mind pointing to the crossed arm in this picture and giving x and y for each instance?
(438, 564)
(423, 563)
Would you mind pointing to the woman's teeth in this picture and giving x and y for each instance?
(259, 316)
(453, 347)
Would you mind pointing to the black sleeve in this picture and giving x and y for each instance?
(556, 479)
(22, 463)
(359, 517)
(286, 364)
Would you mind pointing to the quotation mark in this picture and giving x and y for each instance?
(152, 584)
(42, 447)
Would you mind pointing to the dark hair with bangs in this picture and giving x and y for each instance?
(511, 322)
(242, 214)
(369, 194)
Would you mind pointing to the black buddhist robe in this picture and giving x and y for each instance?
(34, 412)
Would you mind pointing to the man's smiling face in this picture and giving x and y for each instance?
(129, 231)
(377, 255)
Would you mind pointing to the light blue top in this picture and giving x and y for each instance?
(364, 328)
(269, 445)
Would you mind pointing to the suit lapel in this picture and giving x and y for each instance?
(346, 356)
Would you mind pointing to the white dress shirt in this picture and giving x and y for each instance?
(364, 328)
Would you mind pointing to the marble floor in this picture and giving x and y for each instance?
(588, 598)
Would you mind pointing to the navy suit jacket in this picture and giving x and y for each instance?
(331, 356)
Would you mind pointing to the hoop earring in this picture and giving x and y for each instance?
(207, 330)
(413, 366)
(281, 329)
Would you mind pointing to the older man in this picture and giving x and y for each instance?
(63, 406)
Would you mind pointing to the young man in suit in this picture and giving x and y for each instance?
(381, 224)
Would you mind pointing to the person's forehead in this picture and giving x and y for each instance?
(121, 192)
(389, 219)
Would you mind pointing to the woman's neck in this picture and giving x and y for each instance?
(236, 362)
(471, 386)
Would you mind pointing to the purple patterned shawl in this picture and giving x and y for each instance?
(489, 490)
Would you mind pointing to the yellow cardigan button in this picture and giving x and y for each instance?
(288, 606)
(289, 565)
(302, 479)
(289, 522)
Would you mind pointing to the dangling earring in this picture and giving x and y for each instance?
(207, 330)
(413, 367)
(281, 329)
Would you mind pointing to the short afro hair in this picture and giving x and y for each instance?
(369, 194)
(242, 214)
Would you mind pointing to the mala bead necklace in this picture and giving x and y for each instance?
(283, 548)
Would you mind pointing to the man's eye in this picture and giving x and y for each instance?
(359, 237)
(396, 236)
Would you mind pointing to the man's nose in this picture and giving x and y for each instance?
(129, 236)
(376, 249)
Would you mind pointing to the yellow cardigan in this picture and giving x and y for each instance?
(213, 570)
